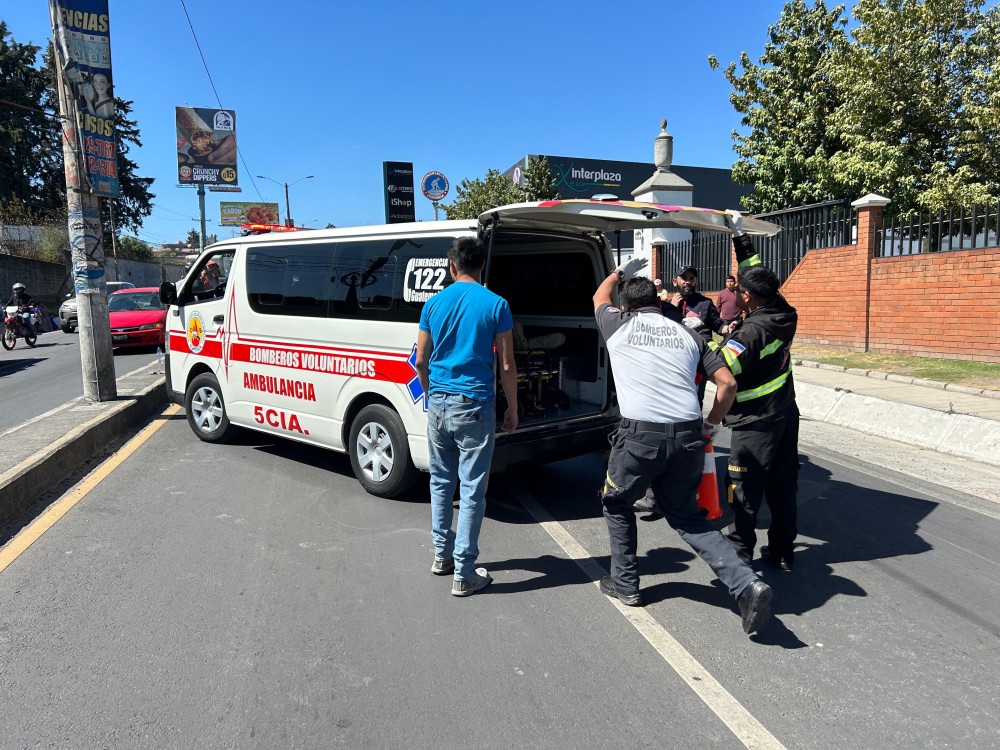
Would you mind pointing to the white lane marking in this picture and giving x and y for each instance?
(741, 722)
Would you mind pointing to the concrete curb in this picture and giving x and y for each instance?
(971, 390)
(960, 435)
(23, 484)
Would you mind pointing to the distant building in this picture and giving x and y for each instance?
(578, 177)
(173, 249)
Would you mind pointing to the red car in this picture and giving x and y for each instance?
(138, 318)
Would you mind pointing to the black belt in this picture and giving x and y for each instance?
(668, 428)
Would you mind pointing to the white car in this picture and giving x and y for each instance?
(67, 310)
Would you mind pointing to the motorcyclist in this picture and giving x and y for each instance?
(24, 303)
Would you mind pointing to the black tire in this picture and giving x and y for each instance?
(67, 328)
(206, 411)
(9, 340)
(380, 452)
(31, 339)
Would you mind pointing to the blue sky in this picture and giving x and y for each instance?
(333, 89)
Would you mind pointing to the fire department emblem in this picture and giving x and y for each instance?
(196, 332)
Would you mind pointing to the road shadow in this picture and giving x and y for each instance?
(851, 524)
(19, 364)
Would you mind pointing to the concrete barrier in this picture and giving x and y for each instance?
(960, 435)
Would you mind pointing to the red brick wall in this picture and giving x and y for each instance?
(929, 305)
(937, 305)
(828, 288)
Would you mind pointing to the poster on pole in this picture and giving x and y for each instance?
(237, 213)
(206, 146)
(82, 38)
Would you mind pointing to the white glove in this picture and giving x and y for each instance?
(630, 268)
(710, 429)
(735, 222)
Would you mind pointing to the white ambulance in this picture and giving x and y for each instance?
(312, 335)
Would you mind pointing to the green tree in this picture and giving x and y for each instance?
(908, 81)
(31, 157)
(472, 197)
(30, 143)
(193, 238)
(133, 248)
(539, 182)
(786, 100)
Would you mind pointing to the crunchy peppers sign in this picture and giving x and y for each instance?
(206, 146)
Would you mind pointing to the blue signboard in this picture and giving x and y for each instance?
(434, 186)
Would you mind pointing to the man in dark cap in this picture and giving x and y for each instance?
(694, 309)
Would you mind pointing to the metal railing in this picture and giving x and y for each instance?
(939, 231)
(811, 227)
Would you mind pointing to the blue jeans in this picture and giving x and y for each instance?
(460, 436)
(26, 322)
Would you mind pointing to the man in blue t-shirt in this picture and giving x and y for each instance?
(459, 328)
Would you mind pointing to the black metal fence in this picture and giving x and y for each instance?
(939, 231)
(818, 225)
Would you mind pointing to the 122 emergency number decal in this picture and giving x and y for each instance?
(196, 332)
(424, 278)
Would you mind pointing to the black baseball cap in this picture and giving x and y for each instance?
(681, 270)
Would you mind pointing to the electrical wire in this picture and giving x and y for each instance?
(218, 99)
(32, 109)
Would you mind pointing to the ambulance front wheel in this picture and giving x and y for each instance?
(380, 452)
(206, 411)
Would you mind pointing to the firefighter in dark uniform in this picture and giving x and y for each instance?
(763, 458)
(660, 440)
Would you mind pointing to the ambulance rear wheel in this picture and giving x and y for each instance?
(380, 452)
(206, 411)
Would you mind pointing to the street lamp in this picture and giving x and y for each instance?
(288, 211)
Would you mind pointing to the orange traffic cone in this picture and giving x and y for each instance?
(708, 490)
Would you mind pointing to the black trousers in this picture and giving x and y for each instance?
(764, 464)
(671, 459)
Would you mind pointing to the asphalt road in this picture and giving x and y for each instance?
(35, 380)
(252, 596)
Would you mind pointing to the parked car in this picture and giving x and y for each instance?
(138, 318)
(67, 311)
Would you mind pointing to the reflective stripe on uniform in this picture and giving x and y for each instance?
(771, 348)
(732, 361)
(753, 260)
(764, 389)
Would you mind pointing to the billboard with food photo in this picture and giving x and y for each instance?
(236, 214)
(206, 146)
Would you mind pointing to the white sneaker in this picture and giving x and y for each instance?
(468, 586)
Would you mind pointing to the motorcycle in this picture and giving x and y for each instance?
(15, 329)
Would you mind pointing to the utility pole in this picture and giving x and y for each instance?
(201, 214)
(288, 211)
(86, 251)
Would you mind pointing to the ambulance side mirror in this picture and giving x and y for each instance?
(168, 293)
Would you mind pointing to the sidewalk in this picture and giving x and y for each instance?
(37, 455)
(944, 417)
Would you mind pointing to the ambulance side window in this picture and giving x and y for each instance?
(209, 278)
(289, 280)
(389, 279)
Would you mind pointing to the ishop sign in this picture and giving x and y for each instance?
(399, 204)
